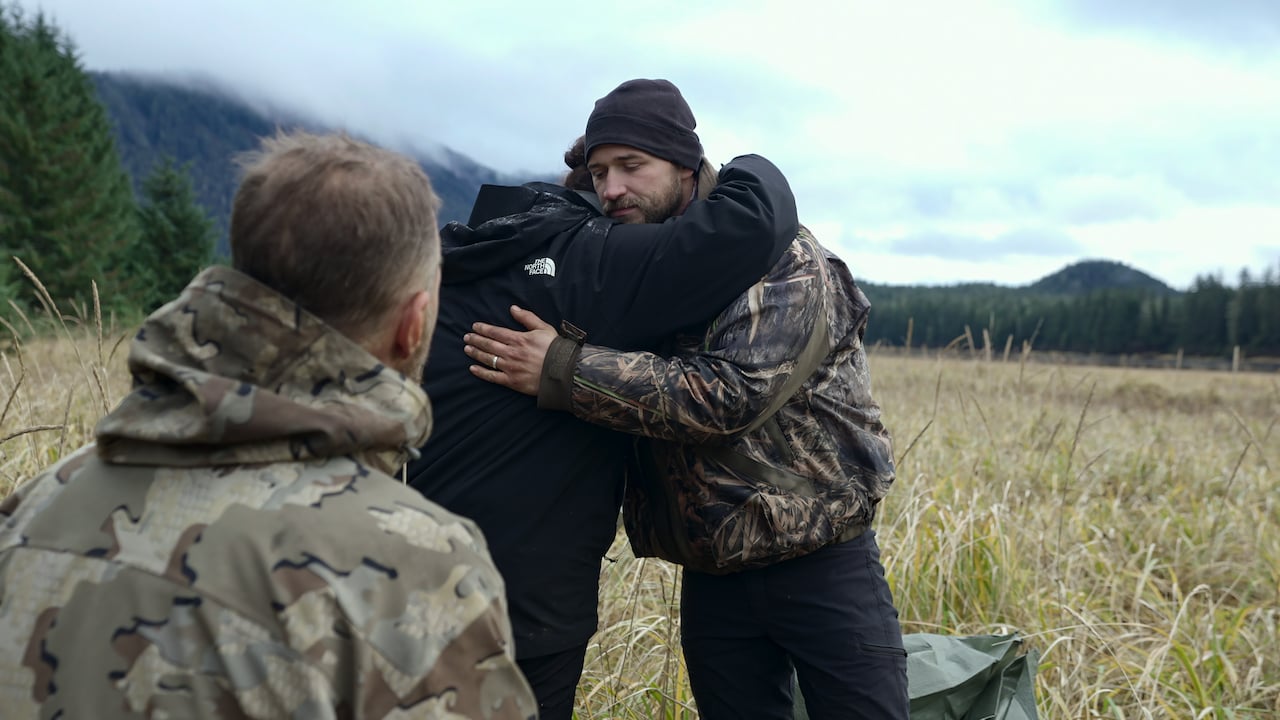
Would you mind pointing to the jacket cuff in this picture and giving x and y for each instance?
(555, 388)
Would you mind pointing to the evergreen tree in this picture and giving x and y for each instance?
(1204, 317)
(1268, 340)
(1242, 319)
(66, 208)
(177, 235)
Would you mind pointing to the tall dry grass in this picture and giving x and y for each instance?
(60, 372)
(1125, 521)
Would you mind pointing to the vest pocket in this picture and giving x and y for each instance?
(768, 527)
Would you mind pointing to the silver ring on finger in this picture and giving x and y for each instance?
(495, 362)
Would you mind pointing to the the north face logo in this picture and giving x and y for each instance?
(542, 266)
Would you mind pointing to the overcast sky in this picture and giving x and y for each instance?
(926, 143)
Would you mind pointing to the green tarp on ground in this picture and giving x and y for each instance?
(979, 677)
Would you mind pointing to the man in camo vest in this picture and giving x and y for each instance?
(233, 545)
(767, 457)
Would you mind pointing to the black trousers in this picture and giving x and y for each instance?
(827, 618)
(554, 679)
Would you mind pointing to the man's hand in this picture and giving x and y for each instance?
(509, 357)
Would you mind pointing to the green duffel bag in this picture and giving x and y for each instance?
(979, 677)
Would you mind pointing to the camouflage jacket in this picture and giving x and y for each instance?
(232, 546)
(821, 464)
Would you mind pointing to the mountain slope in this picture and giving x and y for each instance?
(207, 128)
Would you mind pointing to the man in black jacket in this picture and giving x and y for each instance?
(546, 488)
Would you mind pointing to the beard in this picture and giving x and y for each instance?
(654, 208)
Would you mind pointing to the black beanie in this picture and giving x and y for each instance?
(650, 115)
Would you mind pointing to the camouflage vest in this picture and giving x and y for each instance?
(795, 479)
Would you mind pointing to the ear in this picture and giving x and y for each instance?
(411, 325)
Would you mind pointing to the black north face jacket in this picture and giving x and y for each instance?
(545, 488)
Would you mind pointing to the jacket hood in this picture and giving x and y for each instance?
(232, 373)
(508, 223)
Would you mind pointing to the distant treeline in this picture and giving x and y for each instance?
(1209, 319)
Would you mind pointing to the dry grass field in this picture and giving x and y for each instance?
(1126, 522)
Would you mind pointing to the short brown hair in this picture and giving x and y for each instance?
(337, 225)
(575, 158)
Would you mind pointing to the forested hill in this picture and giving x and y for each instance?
(1096, 306)
(207, 127)
(1092, 275)
(1080, 278)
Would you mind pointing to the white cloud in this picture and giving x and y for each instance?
(1087, 199)
(1113, 128)
(1205, 239)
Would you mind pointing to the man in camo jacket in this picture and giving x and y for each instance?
(233, 545)
(767, 458)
